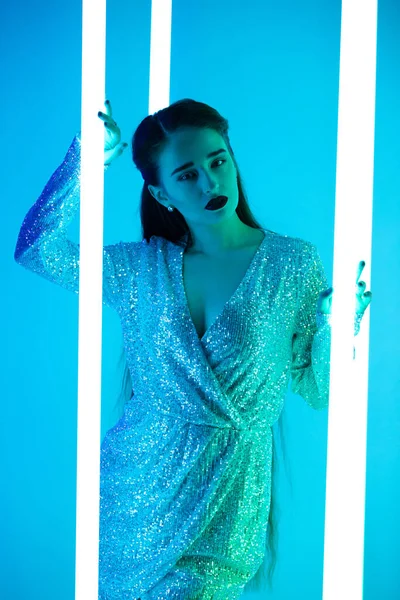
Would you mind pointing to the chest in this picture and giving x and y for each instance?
(210, 283)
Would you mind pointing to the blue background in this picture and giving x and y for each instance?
(272, 69)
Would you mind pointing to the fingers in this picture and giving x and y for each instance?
(112, 147)
(107, 115)
(103, 116)
(118, 150)
(106, 118)
(361, 287)
(360, 268)
(107, 104)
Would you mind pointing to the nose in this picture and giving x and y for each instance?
(210, 186)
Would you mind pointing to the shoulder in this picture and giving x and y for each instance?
(290, 245)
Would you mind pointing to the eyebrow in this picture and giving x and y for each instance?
(191, 164)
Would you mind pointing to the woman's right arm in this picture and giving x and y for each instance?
(42, 245)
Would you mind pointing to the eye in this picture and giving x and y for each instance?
(221, 160)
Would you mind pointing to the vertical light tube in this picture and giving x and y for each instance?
(348, 403)
(90, 299)
(91, 265)
(160, 54)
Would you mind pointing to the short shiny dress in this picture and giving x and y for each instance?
(185, 481)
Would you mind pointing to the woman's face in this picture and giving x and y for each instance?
(189, 176)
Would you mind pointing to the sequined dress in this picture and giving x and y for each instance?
(185, 481)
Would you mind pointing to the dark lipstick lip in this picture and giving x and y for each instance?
(214, 198)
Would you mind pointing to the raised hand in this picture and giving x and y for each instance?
(112, 137)
(363, 298)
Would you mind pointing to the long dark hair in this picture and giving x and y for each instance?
(149, 140)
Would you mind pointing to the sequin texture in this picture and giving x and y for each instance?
(185, 483)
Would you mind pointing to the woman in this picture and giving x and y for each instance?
(217, 313)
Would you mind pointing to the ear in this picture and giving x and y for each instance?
(152, 191)
(157, 195)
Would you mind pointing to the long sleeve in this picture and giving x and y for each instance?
(42, 245)
(311, 343)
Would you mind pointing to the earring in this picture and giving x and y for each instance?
(170, 208)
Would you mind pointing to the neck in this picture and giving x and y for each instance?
(222, 242)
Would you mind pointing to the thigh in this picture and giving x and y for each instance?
(197, 578)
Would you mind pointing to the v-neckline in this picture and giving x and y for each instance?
(182, 249)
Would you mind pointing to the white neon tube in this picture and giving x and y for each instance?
(90, 300)
(160, 54)
(348, 402)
